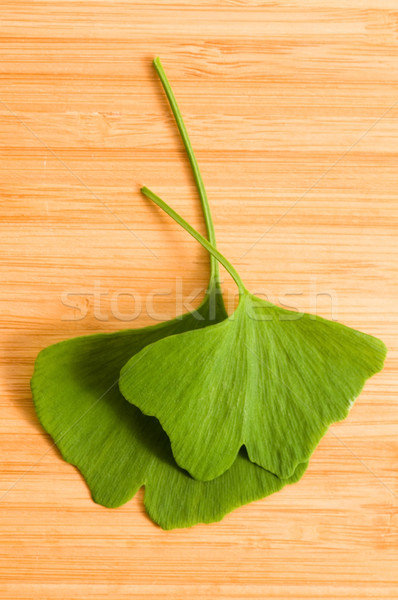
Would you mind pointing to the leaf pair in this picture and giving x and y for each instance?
(117, 448)
(266, 378)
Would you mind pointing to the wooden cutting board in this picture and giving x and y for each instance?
(292, 109)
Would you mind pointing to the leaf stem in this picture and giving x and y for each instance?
(214, 271)
(205, 243)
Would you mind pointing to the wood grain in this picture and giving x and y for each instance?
(292, 109)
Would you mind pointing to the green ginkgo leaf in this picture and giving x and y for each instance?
(118, 449)
(266, 378)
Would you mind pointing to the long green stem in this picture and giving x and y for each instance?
(214, 271)
(205, 243)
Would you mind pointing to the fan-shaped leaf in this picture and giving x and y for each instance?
(116, 447)
(266, 378)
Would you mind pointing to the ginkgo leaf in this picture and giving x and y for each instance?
(266, 378)
(117, 448)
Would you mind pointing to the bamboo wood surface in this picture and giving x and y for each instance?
(292, 109)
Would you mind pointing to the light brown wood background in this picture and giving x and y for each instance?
(292, 108)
